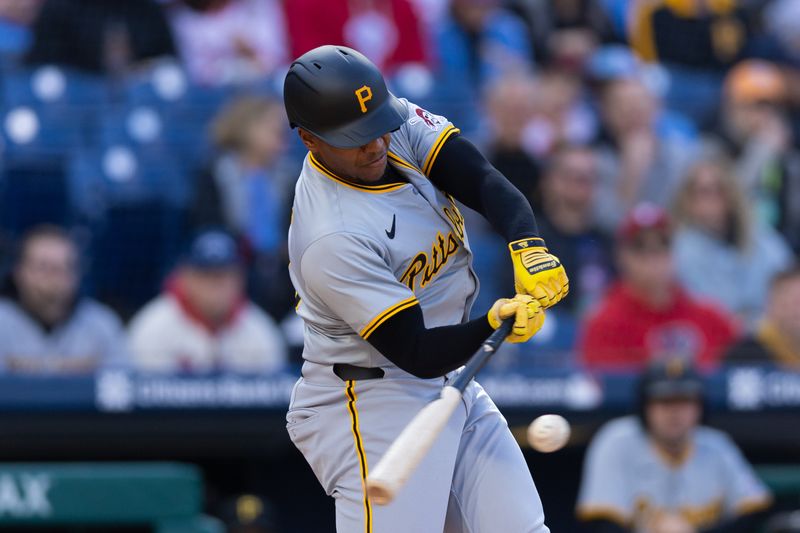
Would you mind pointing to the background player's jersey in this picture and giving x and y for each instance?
(360, 254)
(626, 478)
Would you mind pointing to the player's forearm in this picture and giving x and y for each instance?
(462, 171)
(428, 353)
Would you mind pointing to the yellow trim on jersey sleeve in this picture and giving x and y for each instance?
(374, 189)
(386, 315)
(350, 393)
(752, 505)
(402, 162)
(612, 514)
(437, 146)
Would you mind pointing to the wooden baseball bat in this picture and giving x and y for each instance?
(416, 439)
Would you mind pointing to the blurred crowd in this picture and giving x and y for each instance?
(147, 172)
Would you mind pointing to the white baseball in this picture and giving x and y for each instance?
(548, 433)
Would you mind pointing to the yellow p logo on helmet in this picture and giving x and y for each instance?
(364, 95)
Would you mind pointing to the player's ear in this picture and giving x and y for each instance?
(308, 139)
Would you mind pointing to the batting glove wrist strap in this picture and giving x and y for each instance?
(527, 244)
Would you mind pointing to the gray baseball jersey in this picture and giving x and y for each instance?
(360, 254)
(627, 479)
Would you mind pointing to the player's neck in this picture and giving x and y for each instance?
(346, 176)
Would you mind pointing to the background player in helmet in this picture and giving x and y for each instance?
(380, 259)
(662, 472)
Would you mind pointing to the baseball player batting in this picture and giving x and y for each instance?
(381, 263)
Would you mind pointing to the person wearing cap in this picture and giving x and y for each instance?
(203, 322)
(661, 471)
(646, 314)
(754, 128)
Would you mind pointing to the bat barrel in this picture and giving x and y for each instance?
(414, 442)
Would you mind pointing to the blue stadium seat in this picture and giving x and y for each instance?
(166, 85)
(118, 175)
(49, 85)
(33, 184)
(131, 252)
(30, 133)
(180, 132)
(134, 204)
(33, 192)
(141, 126)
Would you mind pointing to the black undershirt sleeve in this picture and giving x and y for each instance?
(428, 353)
(462, 171)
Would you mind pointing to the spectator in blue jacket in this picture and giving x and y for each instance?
(477, 43)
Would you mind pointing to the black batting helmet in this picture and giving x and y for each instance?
(340, 96)
(669, 378)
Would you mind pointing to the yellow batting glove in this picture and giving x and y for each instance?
(527, 312)
(537, 272)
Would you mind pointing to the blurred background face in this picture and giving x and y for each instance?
(707, 202)
(47, 277)
(264, 137)
(20, 11)
(671, 421)
(570, 182)
(628, 106)
(213, 293)
(745, 119)
(570, 48)
(646, 261)
(472, 14)
(784, 307)
(557, 93)
(511, 104)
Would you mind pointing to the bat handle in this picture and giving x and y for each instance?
(478, 361)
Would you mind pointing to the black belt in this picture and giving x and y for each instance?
(347, 372)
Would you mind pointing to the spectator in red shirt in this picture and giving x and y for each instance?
(647, 316)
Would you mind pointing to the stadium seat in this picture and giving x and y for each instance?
(179, 131)
(134, 204)
(31, 133)
(49, 85)
(122, 174)
(132, 250)
(167, 85)
(33, 192)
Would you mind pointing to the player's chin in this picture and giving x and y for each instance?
(374, 171)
